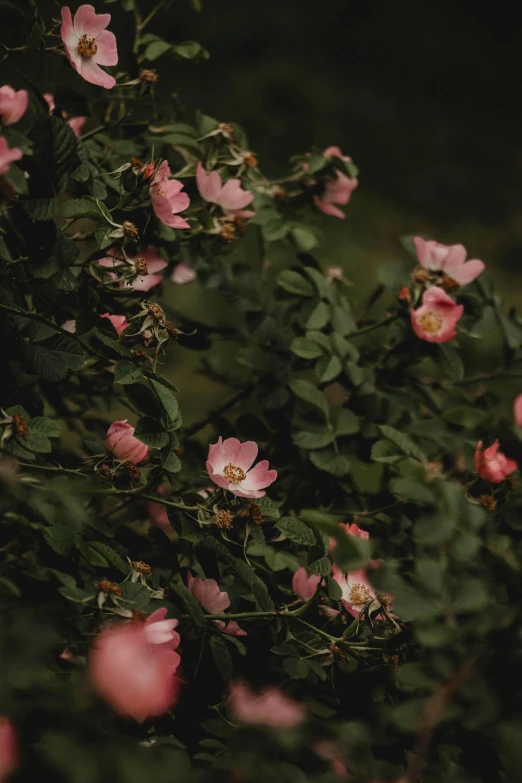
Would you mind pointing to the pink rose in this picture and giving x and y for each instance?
(8, 749)
(230, 197)
(7, 156)
(357, 592)
(450, 259)
(303, 585)
(270, 707)
(350, 530)
(119, 322)
(207, 593)
(158, 514)
(75, 123)
(517, 410)
(142, 282)
(13, 104)
(167, 199)
(133, 666)
(88, 44)
(491, 464)
(228, 466)
(183, 274)
(121, 442)
(435, 320)
(337, 190)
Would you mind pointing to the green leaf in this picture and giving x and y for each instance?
(81, 208)
(191, 50)
(296, 531)
(470, 596)
(62, 538)
(221, 657)
(49, 427)
(296, 668)
(41, 208)
(151, 432)
(319, 317)
(345, 422)
(245, 572)
(315, 163)
(168, 401)
(127, 372)
(54, 359)
(322, 566)
(336, 464)
(328, 368)
(403, 442)
(451, 362)
(171, 462)
(309, 393)
(274, 230)
(37, 441)
(305, 238)
(110, 555)
(305, 348)
(313, 440)
(412, 490)
(410, 605)
(385, 451)
(294, 283)
(156, 49)
(196, 612)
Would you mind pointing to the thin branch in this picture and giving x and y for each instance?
(37, 317)
(372, 328)
(199, 425)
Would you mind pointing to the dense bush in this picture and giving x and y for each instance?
(349, 606)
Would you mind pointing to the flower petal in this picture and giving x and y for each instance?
(246, 455)
(88, 22)
(107, 53)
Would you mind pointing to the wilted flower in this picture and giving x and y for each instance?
(207, 593)
(88, 44)
(119, 322)
(13, 104)
(270, 707)
(435, 320)
(121, 442)
(304, 585)
(449, 259)
(167, 199)
(133, 666)
(7, 156)
(229, 196)
(228, 466)
(491, 464)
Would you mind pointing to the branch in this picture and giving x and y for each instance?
(199, 425)
(37, 317)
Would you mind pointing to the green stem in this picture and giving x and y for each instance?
(170, 503)
(372, 328)
(37, 317)
(199, 425)
(51, 469)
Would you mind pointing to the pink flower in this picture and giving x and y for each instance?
(88, 44)
(228, 466)
(270, 707)
(158, 514)
(450, 259)
(435, 320)
(230, 197)
(75, 123)
(338, 189)
(8, 749)
(70, 326)
(167, 199)
(7, 156)
(121, 442)
(357, 592)
(207, 593)
(328, 750)
(13, 104)
(350, 530)
(134, 666)
(182, 274)
(149, 258)
(491, 464)
(517, 410)
(119, 322)
(303, 585)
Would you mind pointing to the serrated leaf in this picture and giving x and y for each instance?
(168, 401)
(386, 451)
(313, 440)
(294, 283)
(49, 427)
(412, 490)
(451, 362)
(81, 208)
(309, 393)
(40, 208)
(245, 572)
(37, 441)
(221, 657)
(305, 348)
(151, 432)
(328, 368)
(296, 530)
(319, 316)
(54, 359)
(110, 555)
(336, 464)
(404, 442)
(344, 421)
(296, 668)
(127, 372)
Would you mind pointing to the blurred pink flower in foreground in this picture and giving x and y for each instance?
(207, 593)
(8, 749)
(7, 156)
(75, 123)
(158, 514)
(88, 44)
(450, 259)
(121, 442)
(517, 410)
(229, 196)
(149, 262)
(13, 104)
(337, 190)
(182, 274)
(270, 707)
(350, 530)
(229, 463)
(167, 199)
(119, 322)
(328, 750)
(133, 666)
(435, 320)
(303, 585)
(491, 464)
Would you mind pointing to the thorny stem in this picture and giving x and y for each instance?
(51, 469)
(199, 425)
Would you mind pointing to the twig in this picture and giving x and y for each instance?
(199, 425)
(37, 317)
(371, 328)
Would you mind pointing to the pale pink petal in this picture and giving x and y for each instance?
(70, 326)
(88, 22)
(92, 72)
(145, 282)
(304, 585)
(209, 184)
(259, 477)
(227, 454)
(183, 274)
(246, 455)
(468, 271)
(231, 628)
(328, 208)
(76, 124)
(233, 197)
(246, 493)
(69, 37)
(13, 104)
(107, 53)
(517, 410)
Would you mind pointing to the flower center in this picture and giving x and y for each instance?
(234, 474)
(141, 266)
(87, 46)
(359, 594)
(431, 322)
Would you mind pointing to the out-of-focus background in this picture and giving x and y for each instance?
(422, 95)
